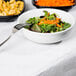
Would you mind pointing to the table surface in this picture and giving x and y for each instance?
(22, 57)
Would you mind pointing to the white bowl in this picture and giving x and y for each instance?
(46, 37)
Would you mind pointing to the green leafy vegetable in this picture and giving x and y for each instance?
(49, 23)
(27, 27)
(46, 13)
(33, 20)
(51, 17)
(66, 25)
(45, 28)
(36, 28)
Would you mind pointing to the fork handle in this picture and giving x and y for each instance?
(15, 29)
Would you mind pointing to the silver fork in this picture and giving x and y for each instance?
(15, 29)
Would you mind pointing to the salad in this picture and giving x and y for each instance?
(49, 23)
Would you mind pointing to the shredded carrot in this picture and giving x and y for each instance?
(55, 2)
(58, 25)
(44, 21)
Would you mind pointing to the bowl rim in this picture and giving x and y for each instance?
(48, 9)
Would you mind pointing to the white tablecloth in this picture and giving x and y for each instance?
(21, 57)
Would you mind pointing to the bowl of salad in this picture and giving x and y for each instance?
(47, 25)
